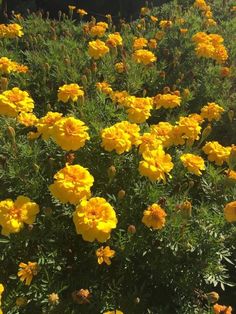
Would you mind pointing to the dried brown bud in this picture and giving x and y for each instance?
(131, 229)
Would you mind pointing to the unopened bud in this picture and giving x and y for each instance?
(231, 115)
(186, 209)
(111, 171)
(121, 194)
(131, 229)
(11, 132)
(21, 301)
(212, 297)
(206, 132)
(4, 84)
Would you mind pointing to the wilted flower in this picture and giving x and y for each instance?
(27, 272)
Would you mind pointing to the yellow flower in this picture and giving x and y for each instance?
(154, 217)
(216, 152)
(212, 112)
(114, 40)
(138, 108)
(167, 101)
(27, 272)
(71, 7)
(222, 309)
(81, 12)
(120, 67)
(97, 49)
(140, 43)
(156, 164)
(188, 129)
(165, 24)
(70, 92)
(46, 123)
(230, 212)
(163, 132)
(15, 101)
(27, 119)
(149, 141)
(113, 312)
(53, 298)
(119, 97)
(193, 163)
(1, 292)
(200, 4)
(144, 56)
(72, 184)
(120, 137)
(97, 30)
(13, 215)
(104, 255)
(70, 133)
(7, 66)
(11, 31)
(104, 87)
(94, 219)
(145, 11)
(231, 174)
(152, 44)
(154, 19)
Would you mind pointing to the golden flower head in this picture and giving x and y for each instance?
(53, 298)
(13, 215)
(94, 219)
(154, 217)
(45, 124)
(69, 92)
(27, 272)
(104, 255)
(230, 211)
(167, 101)
(194, 164)
(212, 111)
(72, 184)
(144, 56)
(216, 152)
(97, 49)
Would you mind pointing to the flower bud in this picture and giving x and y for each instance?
(231, 115)
(53, 298)
(4, 83)
(206, 132)
(212, 297)
(121, 194)
(21, 301)
(186, 209)
(131, 229)
(111, 171)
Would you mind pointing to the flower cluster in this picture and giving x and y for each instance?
(206, 12)
(13, 215)
(210, 46)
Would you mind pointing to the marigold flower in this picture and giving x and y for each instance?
(194, 164)
(104, 87)
(13, 215)
(104, 255)
(216, 152)
(82, 296)
(212, 111)
(97, 30)
(1, 292)
(15, 101)
(120, 137)
(119, 97)
(200, 4)
(188, 129)
(72, 184)
(148, 141)
(53, 298)
(27, 119)
(138, 108)
(152, 44)
(11, 31)
(144, 56)
(145, 11)
(120, 67)
(156, 164)
(94, 219)
(97, 49)
(45, 124)
(71, 7)
(222, 309)
(140, 43)
(70, 133)
(153, 18)
(167, 101)
(113, 312)
(164, 24)
(231, 174)
(114, 40)
(230, 211)
(70, 92)
(163, 132)
(154, 217)
(27, 272)
(212, 297)
(81, 12)
(7, 66)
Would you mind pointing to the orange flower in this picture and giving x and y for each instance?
(27, 272)
(104, 255)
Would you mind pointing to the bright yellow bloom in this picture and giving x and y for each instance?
(200, 4)
(119, 97)
(1, 292)
(140, 43)
(188, 129)
(138, 108)
(15, 101)
(70, 133)
(11, 31)
(27, 272)
(70, 92)
(120, 67)
(222, 309)
(45, 124)
(104, 87)
(97, 49)
(104, 255)
(230, 212)
(163, 132)
(53, 298)
(156, 164)
(154, 19)
(7, 66)
(212, 112)
(194, 164)
(149, 141)
(167, 101)
(120, 137)
(72, 184)
(71, 7)
(97, 30)
(165, 24)
(113, 312)
(114, 40)
(94, 219)
(154, 217)
(81, 12)
(27, 119)
(216, 152)
(144, 56)
(13, 215)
